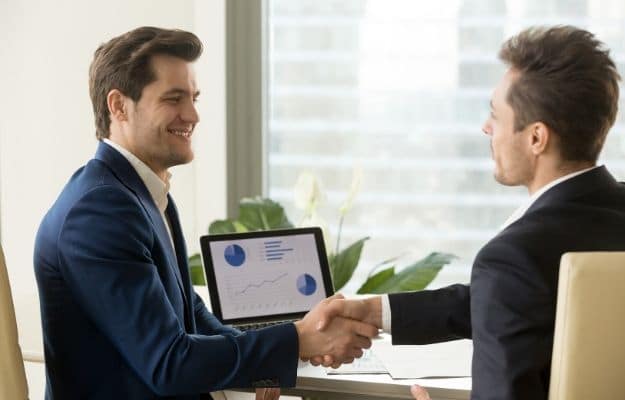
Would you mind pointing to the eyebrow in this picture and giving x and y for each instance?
(180, 91)
(491, 105)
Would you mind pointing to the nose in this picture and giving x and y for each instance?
(486, 128)
(190, 114)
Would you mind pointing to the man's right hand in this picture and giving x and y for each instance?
(367, 310)
(340, 338)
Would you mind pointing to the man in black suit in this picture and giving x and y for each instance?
(550, 115)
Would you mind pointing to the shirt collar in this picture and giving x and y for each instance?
(158, 188)
(518, 213)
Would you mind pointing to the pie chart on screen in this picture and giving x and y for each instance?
(306, 284)
(234, 255)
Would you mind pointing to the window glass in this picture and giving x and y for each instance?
(400, 89)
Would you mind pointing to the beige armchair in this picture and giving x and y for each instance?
(589, 342)
(12, 376)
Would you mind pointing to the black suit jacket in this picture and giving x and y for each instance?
(509, 308)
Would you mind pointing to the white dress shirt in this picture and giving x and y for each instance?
(518, 213)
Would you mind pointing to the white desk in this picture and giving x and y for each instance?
(313, 382)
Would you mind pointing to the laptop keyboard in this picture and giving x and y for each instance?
(258, 325)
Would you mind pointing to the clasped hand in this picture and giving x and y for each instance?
(337, 330)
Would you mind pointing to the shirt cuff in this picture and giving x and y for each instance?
(386, 314)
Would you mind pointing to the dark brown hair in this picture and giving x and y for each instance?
(568, 82)
(123, 63)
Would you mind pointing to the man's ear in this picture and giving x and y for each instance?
(116, 102)
(540, 137)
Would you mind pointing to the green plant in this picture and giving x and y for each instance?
(263, 214)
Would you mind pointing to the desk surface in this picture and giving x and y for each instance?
(314, 382)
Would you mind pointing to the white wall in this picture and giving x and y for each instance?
(46, 123)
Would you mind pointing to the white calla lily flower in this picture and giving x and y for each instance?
(308, 192)
(353, 191)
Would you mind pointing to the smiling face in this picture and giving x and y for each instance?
(511, 151)
(158, 127)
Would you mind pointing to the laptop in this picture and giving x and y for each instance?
(257, 279)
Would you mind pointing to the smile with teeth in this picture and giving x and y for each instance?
(179, 132)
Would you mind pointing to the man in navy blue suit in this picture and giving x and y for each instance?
(550, 115)
(120, 318)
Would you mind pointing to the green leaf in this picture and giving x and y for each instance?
(258, 214)
(196, 271)
(416, 276)
(239, 227)
(376, 280)
(343, 264)
(222, 226)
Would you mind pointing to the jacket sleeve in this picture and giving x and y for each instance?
(512, 316)
(105, 257)
(207, 323)
(431, 316)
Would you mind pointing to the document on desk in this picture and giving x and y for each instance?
(449, 359)
(367, 364)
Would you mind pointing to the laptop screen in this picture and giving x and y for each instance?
(256, 276)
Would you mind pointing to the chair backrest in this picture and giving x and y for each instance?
(589, 343)
(12, 376)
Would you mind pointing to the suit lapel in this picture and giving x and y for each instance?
(181, 253)
(129, 177)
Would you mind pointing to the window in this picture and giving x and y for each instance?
(401, 89)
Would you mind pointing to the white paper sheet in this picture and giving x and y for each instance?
(367, 364)
(449, 359)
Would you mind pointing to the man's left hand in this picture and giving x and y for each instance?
(419, 393)
(267, 393)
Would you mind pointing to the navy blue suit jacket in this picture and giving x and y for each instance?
(509, 308)
(120, 318)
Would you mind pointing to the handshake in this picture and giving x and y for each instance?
(337, 330)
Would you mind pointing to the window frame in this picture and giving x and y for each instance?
(246, 101)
